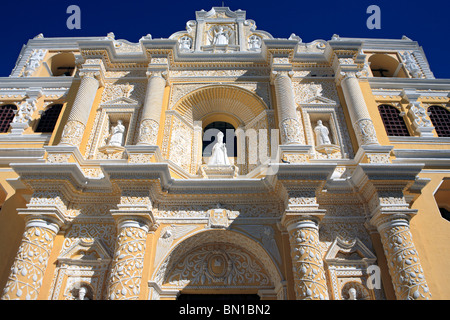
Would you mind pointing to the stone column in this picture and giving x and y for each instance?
(151, 112)
(308, 270)
(289, 124)
(28, 270)
(402, 257)
(128, 263)
(359, 114)
(134, 219)
(79, 115)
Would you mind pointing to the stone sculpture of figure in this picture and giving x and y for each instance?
(117, 135)
(411, 65)
(352, 294)
(254, 42)
(185, 43)
(322, 134)
(219, 152)
(82, 294)
(220, 37)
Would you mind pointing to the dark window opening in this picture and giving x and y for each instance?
(49, 118)
(393, 122)
(440, 118)
(229, 138)
(6, 116)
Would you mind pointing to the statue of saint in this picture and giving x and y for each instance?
(322, 134)
(220, 37)
(352, 294)
(82, 294)
(219, 153)
(117, 135)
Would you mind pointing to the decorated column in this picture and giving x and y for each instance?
(307, 263)
(151, 113)
(287, 111)
(91, 75)
(402, 258)
(134, 219)
(359, 114)
(28, 270)
(128, 263)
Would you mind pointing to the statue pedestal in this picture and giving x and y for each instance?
(328, 148)
(219, 171)
(110, 152)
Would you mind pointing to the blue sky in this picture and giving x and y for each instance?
(427, 22)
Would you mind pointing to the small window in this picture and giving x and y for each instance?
(393, 122)
(6, 116)
(49, 118)
(440, 117)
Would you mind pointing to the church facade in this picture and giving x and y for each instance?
(224, 161)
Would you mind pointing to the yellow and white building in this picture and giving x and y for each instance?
(359, 209)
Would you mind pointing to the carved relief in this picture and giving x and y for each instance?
(126, 272)
(148, 132)
(181, 144)
(27, 272)
(73, 133)
(217, 265)
(365, 131)
(308, 272)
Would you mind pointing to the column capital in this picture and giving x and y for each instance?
(93, 68)
(274, 74)
(293, 221)
(383, 219)
(49, 218)
(141, 220)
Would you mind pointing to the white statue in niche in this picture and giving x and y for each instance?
(117, 135)
(220, 36)
(322, 134)
(352, 294)
(219, 153)
(185, 43)
(82, 294)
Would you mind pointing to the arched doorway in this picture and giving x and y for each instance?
(217, 262)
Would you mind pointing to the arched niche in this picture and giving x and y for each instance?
(236, 105)
(385, 65)
(184, 124)
(217, 261)
(62, 64)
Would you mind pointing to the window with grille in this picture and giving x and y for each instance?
(48, 119)
(440, 118)
(6, 116)
(393, 122)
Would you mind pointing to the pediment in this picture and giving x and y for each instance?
(349, 252)
(320, 100)
(120, 102)
(85, 251)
